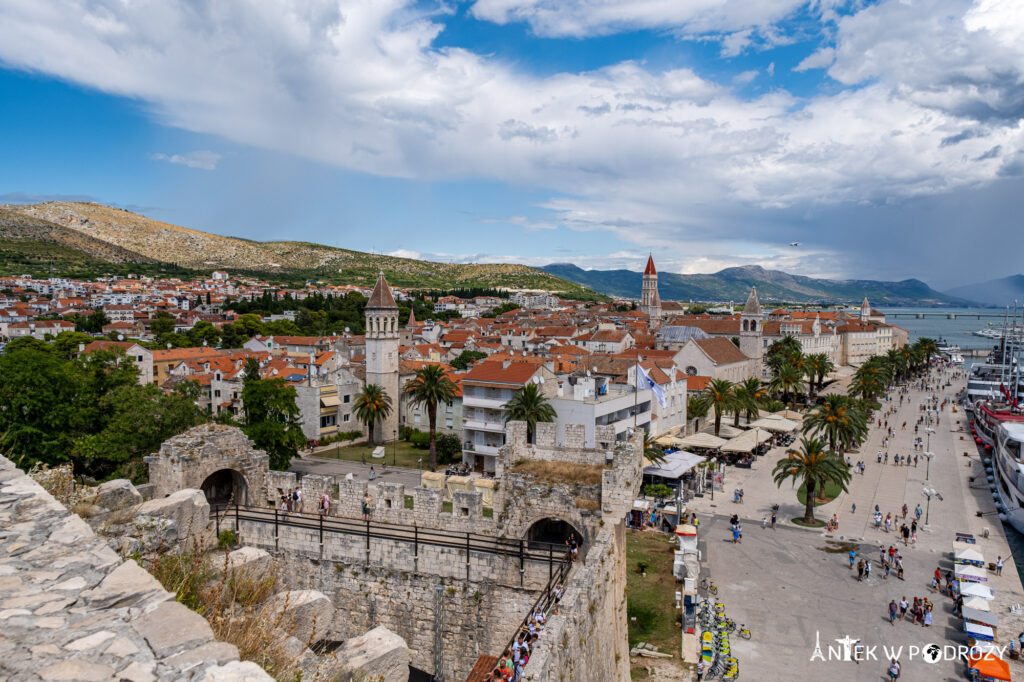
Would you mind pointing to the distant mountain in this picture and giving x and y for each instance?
(85, 239)
(733, 284)
(997, 292)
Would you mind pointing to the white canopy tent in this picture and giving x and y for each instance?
(675, 465)
(703, 440)
(976, 590)
(967, 555)
(725, 431)
(746, 442)
(965, 573)
(773, 423)
(789, 414)
(976, 603)
(669, 441)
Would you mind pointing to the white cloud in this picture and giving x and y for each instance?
(659, 159)
(745, 77)
(406, 253)
(205, 160)
(820, 59)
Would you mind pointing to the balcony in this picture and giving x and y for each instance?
(478, 401)
(480, 425)
(481, 448)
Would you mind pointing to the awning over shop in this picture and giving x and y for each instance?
(967, 555)
(747, 441)
(990, 666)
(725, 431)
(675, 465)
(976, 603)
(976, 590)
(983, 617)
(702, 440)
(669, 441)
(329, 401)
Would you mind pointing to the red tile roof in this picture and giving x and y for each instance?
(722, 351)
(517, 373)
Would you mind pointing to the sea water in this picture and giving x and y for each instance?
(958, 332)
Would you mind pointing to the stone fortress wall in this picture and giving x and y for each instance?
(72, 609)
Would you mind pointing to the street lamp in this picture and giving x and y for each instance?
(929, 493)
(928, 466)
(394, 447)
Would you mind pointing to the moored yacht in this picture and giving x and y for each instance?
(1008, 470)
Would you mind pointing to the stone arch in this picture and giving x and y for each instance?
(552, 531)
(226, 486)
(195, 458)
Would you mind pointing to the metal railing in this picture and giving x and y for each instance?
(544, 600)
(520, 549)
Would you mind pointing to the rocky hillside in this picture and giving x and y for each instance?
(116, 235)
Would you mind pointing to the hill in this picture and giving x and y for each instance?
(84, 236)
(997, 292)
(733, 284)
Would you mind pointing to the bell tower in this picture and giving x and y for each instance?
(382, 336)
(752, 331)
(650, 302)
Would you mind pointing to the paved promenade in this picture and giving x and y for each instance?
(793, 585)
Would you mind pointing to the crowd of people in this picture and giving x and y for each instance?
(513, 660)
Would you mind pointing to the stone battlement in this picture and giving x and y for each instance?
(72, 609)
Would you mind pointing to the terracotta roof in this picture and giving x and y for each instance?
(103, 345)
(174, 354)
(649, 270)
(710, 325)
(381, 296)
(697, 383)
(722, 351)
(494, 372)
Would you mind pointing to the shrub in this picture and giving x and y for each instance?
(227, 538)
(420, 440)
(406, 432)
(449, 448)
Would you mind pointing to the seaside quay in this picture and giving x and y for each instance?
(794, 589)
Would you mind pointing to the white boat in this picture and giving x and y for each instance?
(1008, 469)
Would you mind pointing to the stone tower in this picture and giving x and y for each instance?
(382, 337)
(865, 310)
(650, 302)
(752, 331)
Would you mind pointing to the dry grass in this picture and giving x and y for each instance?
(59, 482)
(586, 504)
(560, 472)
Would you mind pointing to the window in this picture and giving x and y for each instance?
(345, 418)
(346, 399)
(449, 409)
(448, 422)
(216, 394)
(416, 419)
(328, 420)
(691, 370)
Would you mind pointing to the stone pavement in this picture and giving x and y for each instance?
(793, 583)
(72, 609)
(326, 466)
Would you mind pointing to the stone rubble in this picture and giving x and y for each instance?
(71, 609)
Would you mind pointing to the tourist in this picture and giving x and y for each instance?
(774, 519)
(284, 504)
(894, 670)
(574, 546)
(853, 558)
(893, 610)
(999, 565)
(867, 570)
(904, 605)
(702, 667)
(366, 507)
(735, 534)
(373, 474)
(917, 511)
(297, 497)
(853, 507)
(860, 570)
(559, 591)
(325, 505)
(905, 509)
(927, 617)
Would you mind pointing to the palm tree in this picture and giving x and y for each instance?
(928, 348)
(718, 396)
(696, 408)
(747, 397)
(529, 405)
(839, 421)
(823, 365)
(815, 467)
(430, 387)
(787, 378)
(652, 451)
(871, 378)
(898, 362)
(782, 352)
(372, 406)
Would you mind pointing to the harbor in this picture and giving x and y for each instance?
(795, 590)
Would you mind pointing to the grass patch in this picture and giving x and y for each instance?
(408, 502)
(651, 598)
(832, 491)
(818, 523)
(401, 452)
(446, 507)
(560, 472)
(488, 512)
(586, 504)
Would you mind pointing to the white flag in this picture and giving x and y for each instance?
(644, 380)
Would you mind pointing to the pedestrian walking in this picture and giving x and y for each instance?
(774, 519)
(853, 507)
(366, 507)
(867, 570)
(905, 510)
(893, 610)
(894, 671)
(735, 535)
(764, 522)
(999, 565)
(853, 558)
(860, 570)
(927, 621)
(325, 505)
(904, 605)
(297, 497)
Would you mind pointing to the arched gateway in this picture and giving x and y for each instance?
(217, 459)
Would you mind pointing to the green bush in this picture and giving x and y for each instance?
(406, 432)
(420, 440)
(227, 538)
(659, 491)
(449, 448)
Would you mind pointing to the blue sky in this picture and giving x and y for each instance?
(712, 132)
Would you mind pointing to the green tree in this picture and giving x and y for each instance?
(37, 406)
(203, 331)
(372, 406)
(428, 388)
(161, 323)
(449, 448)
(466, 358)
(27, 343)
(782, 352)
(748, 397)
(659, 491)
(66, 343)
(249, 325)
(696, 408)
(820, 365)
(230, 337)
(718, 396)
(814, 467)
(529, 405)
(271, 416)
(281, 328)
(787, 378)
(652, 451)
(506, 307)
(95, 322)
(839, 421)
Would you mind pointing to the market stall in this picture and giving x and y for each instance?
(971, 574)
(982, 633)
(967, 556)
(979, 617)
(975, 590)
(988, 667)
